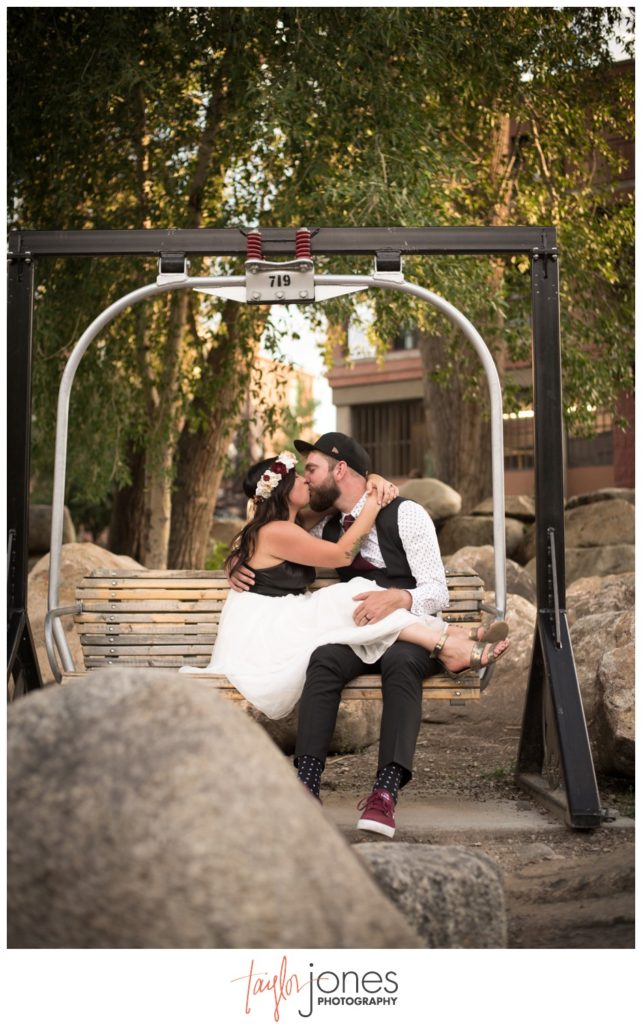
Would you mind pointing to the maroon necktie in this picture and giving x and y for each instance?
(359, 562)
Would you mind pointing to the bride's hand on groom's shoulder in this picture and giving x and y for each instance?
(384, 490)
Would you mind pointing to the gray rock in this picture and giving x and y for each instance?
(482, 561)
(502, 703)
(596, 525)
(40, 528)
(607, 524)
(76, 561)
(453, 897)
(603, 494)
(616, 712)
(357, 726)
(439, 500)
(517, 506)
(598, 595)
(591, 636)
(475, 531)
(146, 811)
(612, 559)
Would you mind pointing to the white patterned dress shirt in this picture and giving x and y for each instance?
(419, 539)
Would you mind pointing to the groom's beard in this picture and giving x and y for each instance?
(323, 496)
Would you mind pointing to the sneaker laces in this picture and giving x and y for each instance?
(376, 801)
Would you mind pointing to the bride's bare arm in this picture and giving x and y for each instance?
(287, 541)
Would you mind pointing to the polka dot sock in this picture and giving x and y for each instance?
(389, 778)
(309, 772)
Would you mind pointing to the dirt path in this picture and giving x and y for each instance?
(564, 888)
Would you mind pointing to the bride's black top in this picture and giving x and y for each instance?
(284, 578)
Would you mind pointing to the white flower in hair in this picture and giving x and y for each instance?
(273, 475)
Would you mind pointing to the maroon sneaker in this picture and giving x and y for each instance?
(378, 813)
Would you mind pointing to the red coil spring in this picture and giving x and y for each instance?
(254, 245)
(303, 243)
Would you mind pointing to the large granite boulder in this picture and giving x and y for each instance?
(453, 897)
(616, 711)
(591, 636)
(597, 525)
(146, 811)
(611, 559)
(603, 494)
(606, 522)
(501, 705)
(76, 561)
(516, 506)
(476, 531)
(439, 500)
(600, 595)
(40, 528)
(482, 561)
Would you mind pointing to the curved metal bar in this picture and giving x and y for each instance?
(494, 387)
(50, 618)
(152, 290)
(62, 421)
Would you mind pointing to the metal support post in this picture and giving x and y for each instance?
(554, 760)
(22, 661)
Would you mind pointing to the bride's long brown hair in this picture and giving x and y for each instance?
(266, 510)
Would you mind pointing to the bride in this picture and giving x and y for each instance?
(264, 645)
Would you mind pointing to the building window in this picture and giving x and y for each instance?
(519, 440)
(407, 338)
(393, 434)
(592, 451)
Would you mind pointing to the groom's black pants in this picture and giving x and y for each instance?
(403, 668)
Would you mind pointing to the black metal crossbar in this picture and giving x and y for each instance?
(554, 759)
(325, 241)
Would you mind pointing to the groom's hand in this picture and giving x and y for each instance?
(376, 604)
(241, 578)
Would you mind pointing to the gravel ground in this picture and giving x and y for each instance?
(564, 888)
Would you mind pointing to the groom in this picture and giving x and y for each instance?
(401, 554)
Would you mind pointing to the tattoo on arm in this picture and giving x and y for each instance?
(356, 547)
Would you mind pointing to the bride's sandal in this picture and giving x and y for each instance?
(476, 656)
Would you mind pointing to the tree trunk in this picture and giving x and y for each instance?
(457, 424)
(147, 510)
(126, 524)
(201, 451)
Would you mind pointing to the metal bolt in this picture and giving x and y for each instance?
(254, 270)
(280, 295)
(535, 256)
(111, 618)
(256, 295)
(112, 650)
(457, 693)
(303, 294)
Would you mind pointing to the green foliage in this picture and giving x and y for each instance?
(157, 117)
(217, 556)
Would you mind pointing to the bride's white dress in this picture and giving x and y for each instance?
(264, 643)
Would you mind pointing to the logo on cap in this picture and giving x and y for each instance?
(335, 449)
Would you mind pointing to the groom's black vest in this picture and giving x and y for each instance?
(397, 571)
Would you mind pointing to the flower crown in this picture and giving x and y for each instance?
(272, 477)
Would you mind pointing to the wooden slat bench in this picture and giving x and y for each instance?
(169, 618)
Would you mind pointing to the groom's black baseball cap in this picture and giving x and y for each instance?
(340, 447)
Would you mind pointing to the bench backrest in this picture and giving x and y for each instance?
(169, 618)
